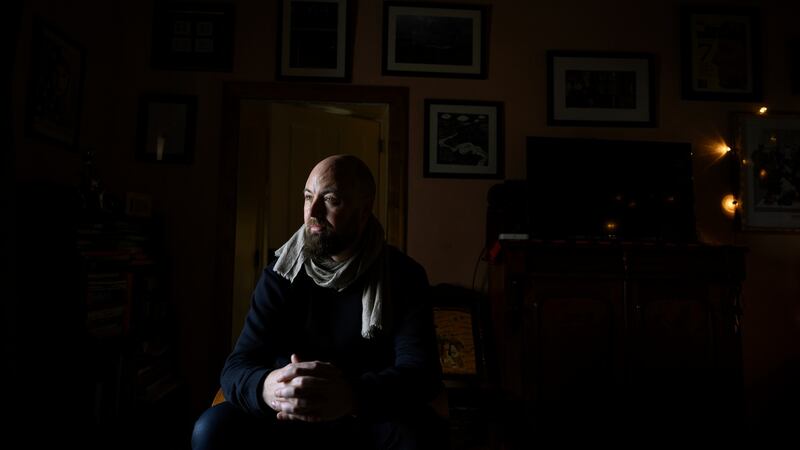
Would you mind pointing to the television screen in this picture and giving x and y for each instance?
(609, 189)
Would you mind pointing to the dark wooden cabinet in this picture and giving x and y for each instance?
(592, 336)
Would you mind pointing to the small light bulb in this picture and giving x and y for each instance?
(723, 149)
(762, 110)
(762, 173)
(729, 205)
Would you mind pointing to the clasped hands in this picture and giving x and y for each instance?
(309, 391)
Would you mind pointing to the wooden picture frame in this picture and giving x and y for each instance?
(167, 128)
(464, 139)
(193, 36)
(435, 40)
(315, 40)
(461, 322)
(600, 89)
(794, 65)
(721, 53)
(768, 149)
(55, 87)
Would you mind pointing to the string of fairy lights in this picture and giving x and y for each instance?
(731, 202)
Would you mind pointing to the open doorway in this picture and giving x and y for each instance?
(273, 135)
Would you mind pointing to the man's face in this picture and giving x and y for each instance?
(332, 212)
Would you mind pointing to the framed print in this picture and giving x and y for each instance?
(463, 139)
(721, 52)
(314, 40)
(166, 128)
(600, 89)
(794, 68)
(461, 325)
(55, 89)
(193, 36)
(768, 147)
(430, 39)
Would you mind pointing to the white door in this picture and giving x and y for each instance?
(279, 144)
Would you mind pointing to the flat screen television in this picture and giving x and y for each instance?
(609, 189)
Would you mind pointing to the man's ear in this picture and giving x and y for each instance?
(366, 211)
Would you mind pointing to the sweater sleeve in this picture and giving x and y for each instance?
(414, 379)
(258, 350)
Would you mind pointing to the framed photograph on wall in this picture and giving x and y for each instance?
(315, 40)
(55, 87)
(794, 68)
(167, 128)
(435, 40)
(600, 89)
(463, 139)
(721, 52)
(193, 36)
(768, 147)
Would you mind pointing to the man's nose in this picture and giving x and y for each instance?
(318, 208)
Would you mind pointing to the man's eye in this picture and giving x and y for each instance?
(332, 200)
(307, 197)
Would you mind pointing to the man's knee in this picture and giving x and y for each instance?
(420, 431)
(218, 427)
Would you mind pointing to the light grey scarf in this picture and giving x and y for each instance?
(368, 259)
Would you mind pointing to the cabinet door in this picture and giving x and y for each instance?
(684, 351)
(573, 337)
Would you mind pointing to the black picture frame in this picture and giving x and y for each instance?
(166, 128)
(464, 139)
(768, 188)
(193, 36)
(461, 320)
(721, 53)
(315, 40)
(435, 40)
(794, 65)
(615, 89)
(55, 88)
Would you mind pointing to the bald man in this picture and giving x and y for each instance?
(338, 348)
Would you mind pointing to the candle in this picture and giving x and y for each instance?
(160, 147)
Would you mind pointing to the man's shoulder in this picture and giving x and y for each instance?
(274, 278)
(399, 261)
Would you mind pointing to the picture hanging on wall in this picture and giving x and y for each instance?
(600, 89)
(315, 40)
(435, 40)
(768, 147)
(721, 54)
(463, 139)
(55, 87)
(193, 36)
(167, 127)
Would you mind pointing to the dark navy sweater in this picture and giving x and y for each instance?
(396, 371)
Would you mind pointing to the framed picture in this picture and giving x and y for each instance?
(463, 139)
(430, 39)
(167, 127)
(768, 147)
(794, 68)
(600, 89)
(461, 333)
(55, 87)
(193, 36)
(315, 40)
(721, 52)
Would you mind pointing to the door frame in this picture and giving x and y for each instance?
(397, 155)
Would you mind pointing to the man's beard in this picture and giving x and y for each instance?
(326, 243)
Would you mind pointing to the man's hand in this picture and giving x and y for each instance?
(311, 391)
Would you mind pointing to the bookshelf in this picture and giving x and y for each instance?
(129, 324)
